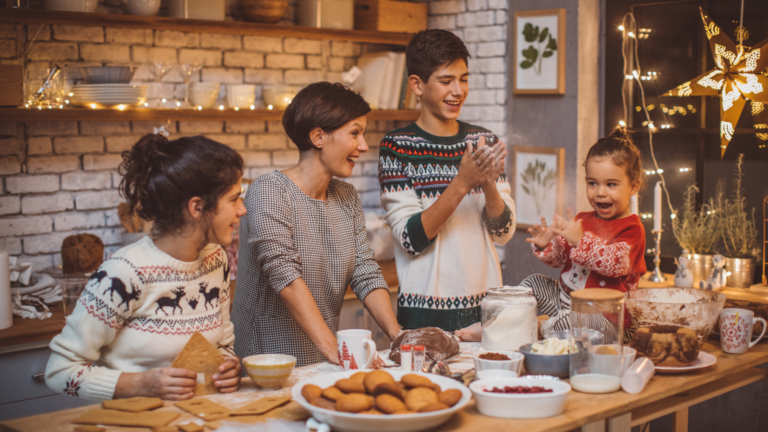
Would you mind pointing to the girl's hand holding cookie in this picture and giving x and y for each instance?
(228, 378)
(166, 383)
(541, 234)
(569, 228)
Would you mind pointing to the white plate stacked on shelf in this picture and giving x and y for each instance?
(109, 95)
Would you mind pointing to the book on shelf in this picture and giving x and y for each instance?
(383, 82)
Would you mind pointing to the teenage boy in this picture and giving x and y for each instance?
(445, 193)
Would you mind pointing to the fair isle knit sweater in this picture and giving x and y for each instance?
(137, 312)
(442, 280)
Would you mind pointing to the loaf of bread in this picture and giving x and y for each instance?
(438, 344)
(81, 253)
(667, 345)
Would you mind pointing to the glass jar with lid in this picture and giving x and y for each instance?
(509, 318)
(597, 327)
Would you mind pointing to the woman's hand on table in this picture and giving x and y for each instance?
(473, 333)
(228, 378)
(378, 363)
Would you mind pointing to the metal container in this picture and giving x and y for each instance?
(700, 266)
(545, 364)
(742, 272)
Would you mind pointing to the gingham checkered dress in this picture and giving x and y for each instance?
(287, 235)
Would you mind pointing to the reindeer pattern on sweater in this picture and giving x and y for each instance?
(136, 313)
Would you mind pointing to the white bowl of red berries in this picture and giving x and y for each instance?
(520, 397)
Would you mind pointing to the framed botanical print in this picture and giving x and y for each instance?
(537, 183)
(538, 52)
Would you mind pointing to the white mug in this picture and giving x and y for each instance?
(736, 330)
(352, 346)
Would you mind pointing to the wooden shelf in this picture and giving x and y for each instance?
(33, 330)
(146, 114)
(38, 16)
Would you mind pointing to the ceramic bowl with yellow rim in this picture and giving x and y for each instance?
(269, 370)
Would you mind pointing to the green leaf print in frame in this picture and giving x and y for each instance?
(532, 34)
(538, 52)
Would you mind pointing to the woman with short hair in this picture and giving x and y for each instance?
(303, 241)
(143, 304)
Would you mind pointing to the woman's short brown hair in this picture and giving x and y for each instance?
(321, 105)
(428, 50)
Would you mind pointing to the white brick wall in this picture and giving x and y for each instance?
(69, 182)
(482, 26)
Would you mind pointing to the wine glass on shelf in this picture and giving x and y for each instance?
(186, 71)
(158, 70)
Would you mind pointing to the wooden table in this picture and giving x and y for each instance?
(665, 394)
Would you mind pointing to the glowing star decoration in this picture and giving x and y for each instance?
(740, 74)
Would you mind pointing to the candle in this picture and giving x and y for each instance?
(657, 207)
(6, 311)
(633, 205)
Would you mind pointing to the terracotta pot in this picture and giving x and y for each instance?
(263, 11)
(742, 272)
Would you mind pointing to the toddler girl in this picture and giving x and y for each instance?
(599, 249)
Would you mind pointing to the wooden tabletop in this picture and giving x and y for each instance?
(580, 409)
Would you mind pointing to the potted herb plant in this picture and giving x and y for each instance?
(698, 233)
(739, 233)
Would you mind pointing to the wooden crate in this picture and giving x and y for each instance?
(11, 86)
(390, 16)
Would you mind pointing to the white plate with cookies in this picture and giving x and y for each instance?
(371, 416)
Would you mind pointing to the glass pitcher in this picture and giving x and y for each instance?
(598, 363)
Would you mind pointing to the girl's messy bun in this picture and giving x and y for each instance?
(161, 176)
(619, 147)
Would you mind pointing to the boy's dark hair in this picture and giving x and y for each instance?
(161, 176)
(321, 105)
(430, 49)
(623, 152)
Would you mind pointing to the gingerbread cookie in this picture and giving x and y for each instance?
(311, 391)
(450, 397)
(375, 378)
(353, 403)
(419, 397)
(414, 380)
(389, 404)
(332, 393)
(348, 385)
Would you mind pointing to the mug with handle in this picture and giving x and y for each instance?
(736, 330)
(356, 349)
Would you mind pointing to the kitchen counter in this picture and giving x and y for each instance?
(665, 394)
(25, 330)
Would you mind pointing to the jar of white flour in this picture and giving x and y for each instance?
(509, 318)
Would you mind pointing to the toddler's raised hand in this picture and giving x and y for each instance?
(569, 228)
(541, 234)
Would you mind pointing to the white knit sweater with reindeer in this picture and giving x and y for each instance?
(137, 312)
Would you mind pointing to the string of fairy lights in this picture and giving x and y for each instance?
(633, 73)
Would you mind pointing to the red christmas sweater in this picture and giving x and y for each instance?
(610, 255)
